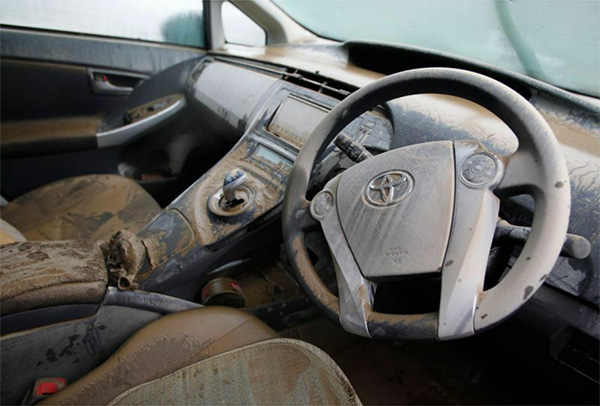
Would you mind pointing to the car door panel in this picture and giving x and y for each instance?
(60, 91)
(33, 90)
(133, 56)
(48, 149)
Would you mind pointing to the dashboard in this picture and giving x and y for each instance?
(272, 111)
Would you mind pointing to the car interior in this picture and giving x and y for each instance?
(303, 221)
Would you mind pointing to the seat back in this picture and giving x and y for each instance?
(278, 371)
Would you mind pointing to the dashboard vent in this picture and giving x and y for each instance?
(318, 83)
(313, 81)
(581, 354)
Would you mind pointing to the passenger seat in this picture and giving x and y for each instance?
(91, 207)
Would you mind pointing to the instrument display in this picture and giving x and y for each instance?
(296, 119)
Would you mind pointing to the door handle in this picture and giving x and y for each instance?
(116, 83)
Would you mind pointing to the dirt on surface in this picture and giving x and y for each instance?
(91, 207)
(35, 274)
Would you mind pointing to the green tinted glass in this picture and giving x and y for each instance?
(554, 41)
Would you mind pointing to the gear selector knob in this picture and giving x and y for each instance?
(234, 179)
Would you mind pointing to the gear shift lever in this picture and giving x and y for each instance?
(234, 179)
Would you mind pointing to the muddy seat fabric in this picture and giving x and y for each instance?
(49, 273)
(89, 207)
(273, 372)
(213, 355)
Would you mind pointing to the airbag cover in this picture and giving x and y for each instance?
(396, 210)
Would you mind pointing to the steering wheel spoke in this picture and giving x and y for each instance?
(475, 214)
(355, 292)
(304, 219)
(520, 176)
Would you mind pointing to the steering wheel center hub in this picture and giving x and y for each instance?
(403, 200)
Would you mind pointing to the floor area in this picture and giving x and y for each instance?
(467, 371)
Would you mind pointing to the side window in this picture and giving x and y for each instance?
(169, 21)
(239, 28)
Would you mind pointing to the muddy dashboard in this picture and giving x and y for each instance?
(273, 114)
(275, 117)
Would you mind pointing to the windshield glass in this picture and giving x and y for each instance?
(554, 41)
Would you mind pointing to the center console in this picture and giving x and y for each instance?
(263, 157)
(246, 188)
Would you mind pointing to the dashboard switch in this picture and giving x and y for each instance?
(351, 148)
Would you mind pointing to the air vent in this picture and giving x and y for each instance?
(313, 81)
(581, 354)
(330, 87)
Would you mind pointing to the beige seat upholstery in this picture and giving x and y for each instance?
(36, 274)
(212, 355)
(89, 207)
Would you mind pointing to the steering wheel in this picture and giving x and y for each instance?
(426, 209)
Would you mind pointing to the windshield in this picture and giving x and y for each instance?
(554, 41)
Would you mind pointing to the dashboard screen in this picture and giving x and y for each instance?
(273, 157)
(296, 119)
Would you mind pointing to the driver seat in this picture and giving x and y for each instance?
(211, 355)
